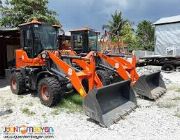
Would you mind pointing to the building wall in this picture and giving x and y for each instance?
(142, 53)
(3, 60)
(7, 53)
(167, 39)
(11, 52)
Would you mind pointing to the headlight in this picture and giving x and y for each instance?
(116, 65)
(44, 55)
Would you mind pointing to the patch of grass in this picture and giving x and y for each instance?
(177, 90)
(172, 87)
(20, 96)
(44, 115)
(176, 98)
(168, 104)
(30, 104)
(55, 111)
(177, 114)
(9, 104)
(73, 103)
(28, 112)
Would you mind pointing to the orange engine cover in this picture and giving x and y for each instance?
(22, 60)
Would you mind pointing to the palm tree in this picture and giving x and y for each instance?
(114, 29)
(145, 34)
(116, 24)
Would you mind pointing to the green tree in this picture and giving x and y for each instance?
(145, 35)
(116, 24)
(128, 36)
(15, 12)
(0, 3)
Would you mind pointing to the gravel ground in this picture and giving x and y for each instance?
(151, 120)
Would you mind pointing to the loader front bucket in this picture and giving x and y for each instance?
(151, 85)
(110, 103)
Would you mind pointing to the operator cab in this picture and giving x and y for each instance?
(37, 37)
(84, 40)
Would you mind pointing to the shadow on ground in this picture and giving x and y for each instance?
(3, 82)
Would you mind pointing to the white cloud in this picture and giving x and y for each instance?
(86, 2)
(121, 3)
(77, 13)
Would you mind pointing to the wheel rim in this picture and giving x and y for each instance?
(14, 84)
(44, 92)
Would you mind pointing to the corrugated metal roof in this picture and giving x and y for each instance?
(168, 20)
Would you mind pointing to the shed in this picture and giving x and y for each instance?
(167, 36)
(9, 41)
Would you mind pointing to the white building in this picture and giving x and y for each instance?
(167, 36)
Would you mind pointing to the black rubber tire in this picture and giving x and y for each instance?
(104, 77)
(20, 83)
(85, 84)
(168, 67)
(54, 89)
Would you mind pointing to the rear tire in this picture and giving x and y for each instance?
(17, 83)
(49, 90)
(104, 77)
(168, 67)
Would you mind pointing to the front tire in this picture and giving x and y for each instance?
(49, 90)
(104, 77)
(17, 83)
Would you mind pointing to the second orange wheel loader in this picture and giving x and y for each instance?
(150, 86)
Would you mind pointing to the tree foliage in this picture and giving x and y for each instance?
(128, 36)
(15, 12)
(145, 35)
(116, 24)
(122, 30)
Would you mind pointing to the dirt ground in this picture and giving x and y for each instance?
(151, 120)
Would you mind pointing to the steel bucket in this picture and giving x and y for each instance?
(110, 103)
(151, 85)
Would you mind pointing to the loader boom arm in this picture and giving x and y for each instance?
(88, 64)
(130, 67)
(116, 65)
(74, 77)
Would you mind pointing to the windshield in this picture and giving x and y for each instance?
(46, 37)
(93, 39)
(77, 41)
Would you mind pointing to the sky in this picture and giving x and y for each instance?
(95, 13)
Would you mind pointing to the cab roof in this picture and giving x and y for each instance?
(84, 29)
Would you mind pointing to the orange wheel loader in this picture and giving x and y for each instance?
(150, 85)
(115, 67)
(41, 67)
